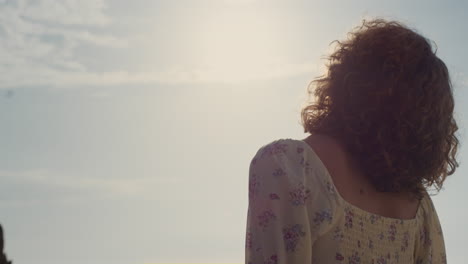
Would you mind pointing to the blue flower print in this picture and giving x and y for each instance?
(292, 236)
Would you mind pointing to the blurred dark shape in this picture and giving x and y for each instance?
(9, 93)
(3, 259)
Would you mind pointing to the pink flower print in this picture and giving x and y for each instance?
(265, 217)
(272, 260)
(330, 187)
(299, 195)
(248, 240)
(381, 260)
(279, 172)
(354, 259)
(274, 196)
(292, 236)
(397, 257)
(374, 218)
(254, 186)
(321, 216)
(405, 241)
(349, 215)
(381, 236)
(424, 237)
(339, 257)
(338, 234)
(274, 148)
(361, 224)
(371, 244)
(299, 150)
(392, 232)
(303, 162)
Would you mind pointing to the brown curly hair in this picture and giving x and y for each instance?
(387, 98)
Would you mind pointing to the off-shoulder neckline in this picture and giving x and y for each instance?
(363, 212)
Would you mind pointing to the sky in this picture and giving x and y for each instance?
(127, 128)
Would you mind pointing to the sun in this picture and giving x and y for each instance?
(237, 45)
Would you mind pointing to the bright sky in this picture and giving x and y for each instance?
(127, 128)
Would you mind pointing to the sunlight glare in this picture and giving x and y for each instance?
(240, 47)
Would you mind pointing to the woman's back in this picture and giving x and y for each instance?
(354, 187)
(297, 215)
(382, 132)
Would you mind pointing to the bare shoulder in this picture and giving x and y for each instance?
(352, 184)
(329, 151)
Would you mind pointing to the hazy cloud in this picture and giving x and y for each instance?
(41, 185)
(38, 38)
(52, 77)
(39, 41)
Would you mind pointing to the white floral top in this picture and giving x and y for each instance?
(296, 216)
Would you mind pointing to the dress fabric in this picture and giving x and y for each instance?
(296, 216)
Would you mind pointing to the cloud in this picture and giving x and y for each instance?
(39, 185)
(71, 12)
(38, 38)
(39, 42)
(52, 77)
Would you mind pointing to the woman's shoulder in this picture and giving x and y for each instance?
(429, 237)
(288, 164)
(278, 146)
(285, 147)
(294, 160)
(291, 153)
(430, 217)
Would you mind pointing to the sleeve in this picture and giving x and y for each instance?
(430, 246)
(279, 230)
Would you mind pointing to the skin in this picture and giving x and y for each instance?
(354, 187)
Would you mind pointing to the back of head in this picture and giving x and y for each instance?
(387, 98)
(1, 239)
(3, 259)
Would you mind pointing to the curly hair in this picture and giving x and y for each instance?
(387, 98)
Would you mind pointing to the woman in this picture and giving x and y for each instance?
(354, 191)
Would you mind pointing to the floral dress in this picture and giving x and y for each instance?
(296, 216)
